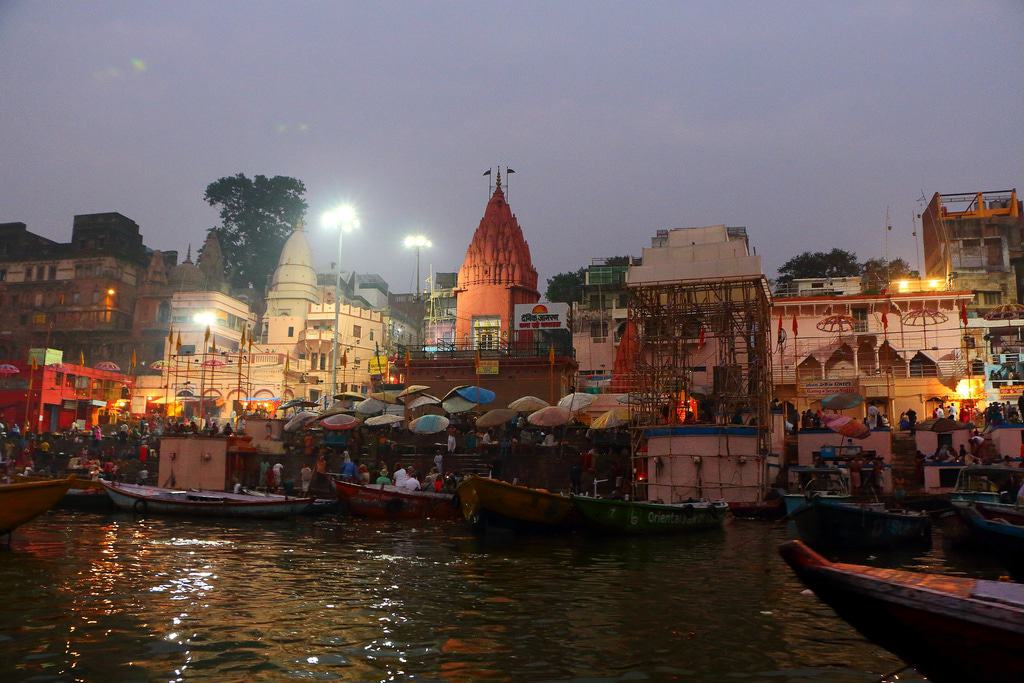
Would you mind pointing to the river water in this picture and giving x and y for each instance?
(116, 598)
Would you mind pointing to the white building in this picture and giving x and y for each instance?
(710, 253)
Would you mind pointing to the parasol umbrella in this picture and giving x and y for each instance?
(386, 396)
(349, 396)
(157, 365)
(496, 417)
(383, 420)
(370, 406)
(339, 422)
(552, 416)
(7, 369)
(847, 426)
(422, 400)
(616, 417)
(297, 403)
(457, 404)
(212, 363)
(841, 401)
(336, 408)
(109, 366)
(413, 389)
(528, 404)
(576, 401)
(300, 420)
(429, 424)
(477, 395)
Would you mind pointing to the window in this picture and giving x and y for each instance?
(994, 252)
(486, 330)
(38, 318)
(623, 301)
(40, 272)
(599, 328)
(312, 361)
(38, 299)
(3, 274)
(51, 273)
(323, 361)
(95, 296)
(991, 298)
(371, 335)
(357, 331)
(353, 387)
(291, 331)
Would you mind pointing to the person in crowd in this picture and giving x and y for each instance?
(451, 442)
(382, 477)
(227, 431)
(912, 421)
(439, 457)
(363, 474)
(410, 482)
(348, 468)
(278, 475)
(549, 440)
(485, 440)
(962, 454)
(428, 481)
(305, 478)
(142, 477)
(400, 474)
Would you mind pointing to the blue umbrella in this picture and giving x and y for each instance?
(477, 395)
(429, 424)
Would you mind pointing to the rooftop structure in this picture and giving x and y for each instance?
(693, 253)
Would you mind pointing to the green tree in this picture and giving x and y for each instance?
(566, 287)
(618, 260)
(257, 216)
(835, 263)
(877, 273)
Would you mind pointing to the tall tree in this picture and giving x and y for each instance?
(257, 216)
(566, 287)
(835, 263)
(877, 273)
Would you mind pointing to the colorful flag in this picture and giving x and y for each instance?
(551, 355)
(206, 337)
(170, 337)
(780, 340)
(241, 344)
(81, 357)
(33, 362)
(963, 313)
(177, 345)
(796, 327)
(135, 360)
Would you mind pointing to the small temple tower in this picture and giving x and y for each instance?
(293, 287)
(496, 274)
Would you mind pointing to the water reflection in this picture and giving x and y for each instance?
(92, 597)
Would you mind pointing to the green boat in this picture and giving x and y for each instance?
(641, 517)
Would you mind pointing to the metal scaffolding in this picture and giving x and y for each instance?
(674, 322)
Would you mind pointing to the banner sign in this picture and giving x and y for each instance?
(828, 386)
(1013, 391)
(487, 367)
(541, 317)
(379, 365)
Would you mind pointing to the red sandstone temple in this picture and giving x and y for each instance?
(496, 274)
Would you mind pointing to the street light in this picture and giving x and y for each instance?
(418, 242)
(343, 219)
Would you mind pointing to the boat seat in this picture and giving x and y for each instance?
(999, 591)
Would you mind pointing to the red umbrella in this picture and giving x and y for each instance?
(339, 422)
(8, 369)
(847, 426)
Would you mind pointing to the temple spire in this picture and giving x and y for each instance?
(497, 182)
(188, 256)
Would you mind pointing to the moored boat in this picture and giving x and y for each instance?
(84, 495)
(22, 502)
(392, 502)
(161, 501)
(997, 529)
(829, 523)
(949, 628)
(643, 517)
(987, 484)
(492, 502)
(815, 482)
(773, 508)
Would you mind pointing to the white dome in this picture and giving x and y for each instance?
(294, 283)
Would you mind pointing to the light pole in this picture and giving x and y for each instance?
(342, 219)
(418, 242)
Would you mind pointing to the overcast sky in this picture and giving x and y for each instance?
(801, 121)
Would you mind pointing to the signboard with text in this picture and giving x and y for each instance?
(540, 317)
(826, 387)
(1011, 391)
(487, 367)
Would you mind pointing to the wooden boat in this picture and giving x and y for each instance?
(392, 502)
(85, 494)
(24, 501)
(160, 501)
(643, 517)
(998, 529)
(492, 502)
(986, 483)
(949, 628)
(829, 523)
(767, 509)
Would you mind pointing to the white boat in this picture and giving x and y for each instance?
(160, 501)
(807, 483)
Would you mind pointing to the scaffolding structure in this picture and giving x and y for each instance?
(202, 378)
(676, 320)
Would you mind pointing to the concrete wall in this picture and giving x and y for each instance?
(705, 252)
(928, 442)
(193, 463)
(704, 462)
(1007, 440)
(810, 440)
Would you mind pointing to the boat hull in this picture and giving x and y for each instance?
(638, 517)
(157, 501)
(769, 509)
(825, 523)
(23, 502)
(389, 502)
(491, 502)
(996, 529)
(936, 623)
(798, 501)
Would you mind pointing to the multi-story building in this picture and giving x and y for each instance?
(975, 242)
(439, 319)
(78, 296)
(599, 320)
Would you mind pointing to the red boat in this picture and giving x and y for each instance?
(948, 627)
(391, 502)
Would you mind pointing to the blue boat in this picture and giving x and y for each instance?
(987, 484)
(995, 528)
(806, 483)
(828, 523)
